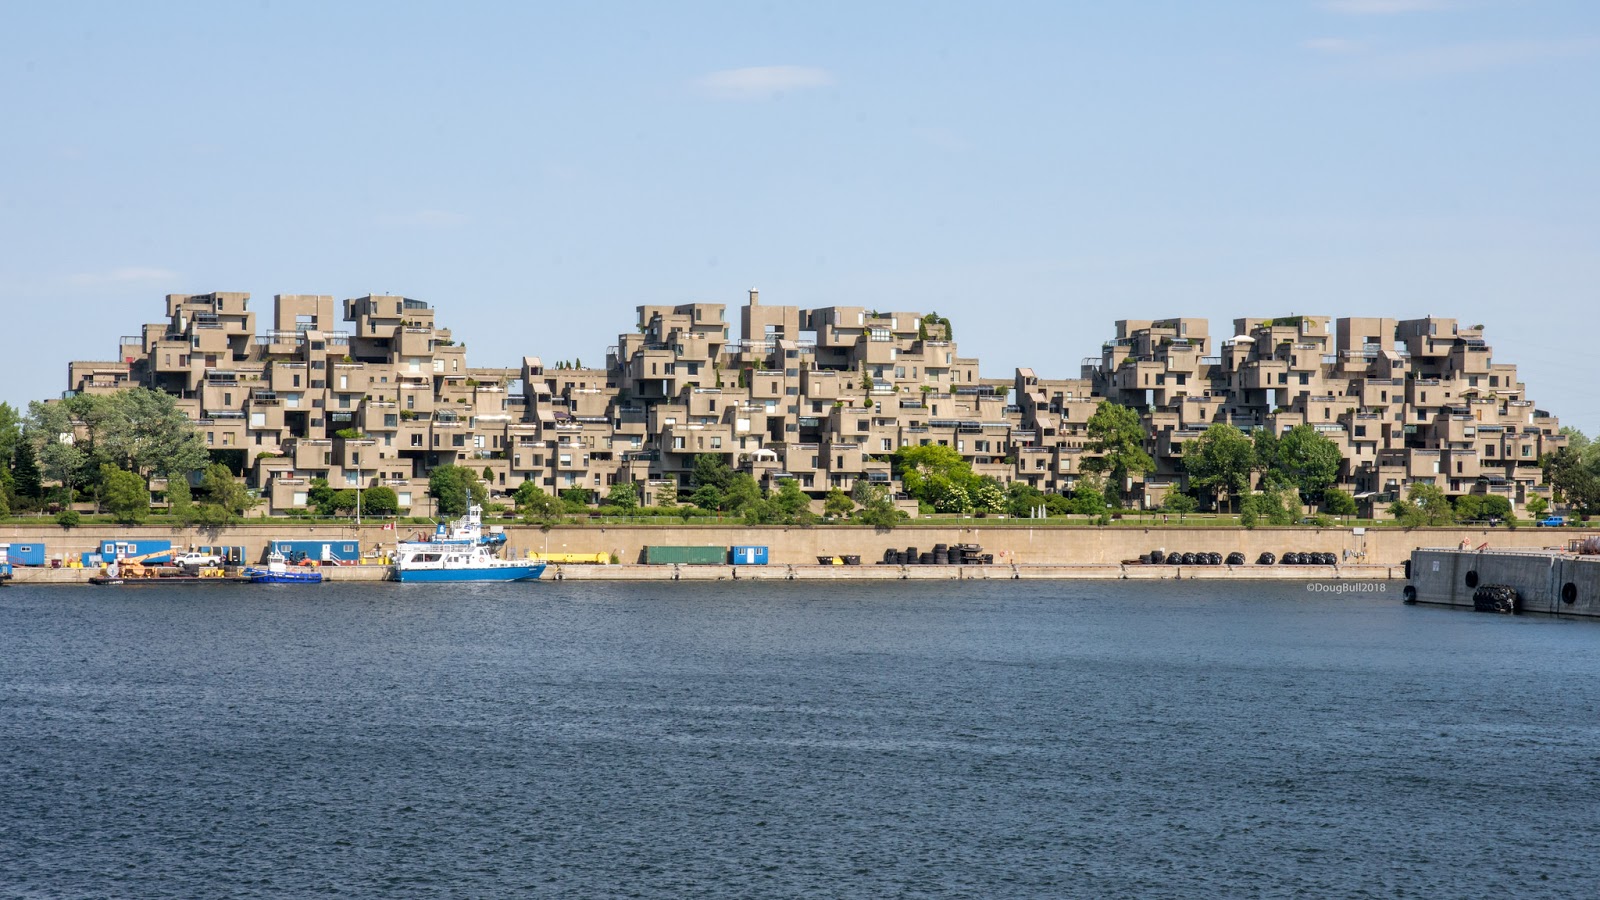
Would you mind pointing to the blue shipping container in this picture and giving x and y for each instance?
(747, 556)
(125, 549)
(319, 551)
(25, 554)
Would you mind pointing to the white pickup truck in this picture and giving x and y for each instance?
(198, 560)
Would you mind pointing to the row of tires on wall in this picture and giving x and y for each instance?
(1292, 558)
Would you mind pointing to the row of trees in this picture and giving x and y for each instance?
(105, 448)
(1225, 463)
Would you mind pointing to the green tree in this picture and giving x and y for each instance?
(68, 518)
(1496, 507)
(742, 492)
(1265, 441)
(125, 495)
(224, 492)
(380, 501)
(936, 474)
(26, 479)
(711, 469)
(1088, 497)
(576, 499)
(1116, 438)
(10, 434)
(180, 500)
(1425, 504)
(537, 507)
(838, 504)
(1576, 483)
(1267, 507)
(5, 505)
(454, 489)
(1338, 503)
(877, 507)
(1537, 506)
(51, 432)
(145, 431)
(344, 501)
(1022, 499)
(1309, 460)
(623, 495)
(320, 497)
(987, 496)
(707, 497)
(1468, 507)
(1180, 503)
(792, 502)
(1220, 462)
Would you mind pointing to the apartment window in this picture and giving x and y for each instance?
(716, 443)
(227, 398)
(344, 401)
(210, 438)
(458, 440)
(318, 365)
(1361, 431)
(296, 380)
(1527, 449)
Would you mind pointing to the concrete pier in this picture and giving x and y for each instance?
(1548, 581)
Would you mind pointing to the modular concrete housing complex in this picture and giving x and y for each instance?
(822, 396)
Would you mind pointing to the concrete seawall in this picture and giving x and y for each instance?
(852, 573)
(1010, 544)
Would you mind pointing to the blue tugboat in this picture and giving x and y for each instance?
(460, 553)
(278, 571)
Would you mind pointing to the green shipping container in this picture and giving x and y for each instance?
(686, 556)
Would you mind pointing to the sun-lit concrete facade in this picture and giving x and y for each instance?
(371, 391)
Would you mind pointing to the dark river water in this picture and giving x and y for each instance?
(1096, 739)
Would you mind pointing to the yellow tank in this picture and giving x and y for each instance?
(572, 558)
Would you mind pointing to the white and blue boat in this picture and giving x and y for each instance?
(461, 552)
(278, 571)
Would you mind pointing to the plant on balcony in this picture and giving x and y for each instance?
(407, 415)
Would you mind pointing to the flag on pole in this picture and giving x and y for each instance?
(388, 526)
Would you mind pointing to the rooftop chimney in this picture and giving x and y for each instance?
(755, 297)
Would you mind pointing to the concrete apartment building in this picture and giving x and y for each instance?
(382, 395)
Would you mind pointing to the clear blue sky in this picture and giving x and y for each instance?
(1031, 170)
